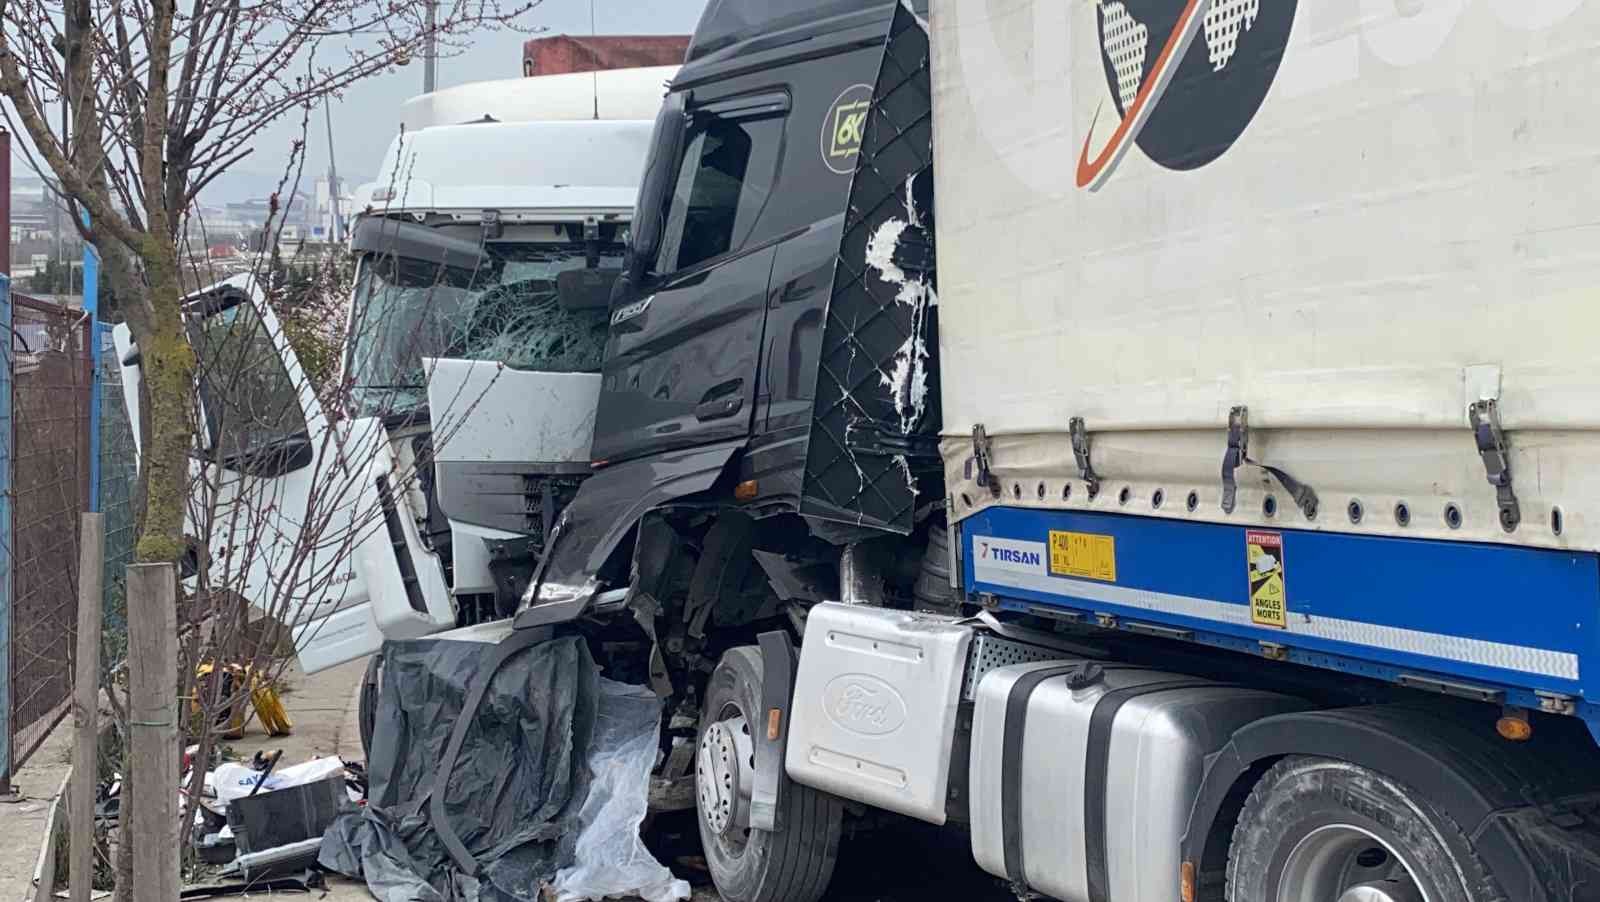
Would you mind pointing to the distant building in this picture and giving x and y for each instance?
(322, 223)
(256, 211)
(566, 53)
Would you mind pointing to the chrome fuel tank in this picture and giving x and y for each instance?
(1082, 775)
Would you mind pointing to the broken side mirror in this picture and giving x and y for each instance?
(585, 289)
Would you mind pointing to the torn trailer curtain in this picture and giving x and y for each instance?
(516, 793)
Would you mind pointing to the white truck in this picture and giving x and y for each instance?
(490, 193)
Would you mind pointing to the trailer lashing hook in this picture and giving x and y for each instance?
(1484, 416)
(1238, 454)
(983, 460)
(1080, 454)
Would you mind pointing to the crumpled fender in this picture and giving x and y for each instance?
(608, 504)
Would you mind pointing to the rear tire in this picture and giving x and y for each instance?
(792, 865)
(1316, 828)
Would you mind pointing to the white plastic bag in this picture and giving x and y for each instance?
(611, 859)
(234, 781)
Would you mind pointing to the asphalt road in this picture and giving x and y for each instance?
(900, 861)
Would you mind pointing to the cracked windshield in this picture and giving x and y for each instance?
(502, 307)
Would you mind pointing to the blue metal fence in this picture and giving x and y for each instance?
(6, 767)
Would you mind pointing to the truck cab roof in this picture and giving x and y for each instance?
(736, 34)
(606, 95)
(566, 146)
(558, 168)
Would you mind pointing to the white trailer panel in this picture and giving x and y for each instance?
(1355, 219)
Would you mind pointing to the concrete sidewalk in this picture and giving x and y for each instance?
(22, 823)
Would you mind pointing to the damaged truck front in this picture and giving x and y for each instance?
(459, 422)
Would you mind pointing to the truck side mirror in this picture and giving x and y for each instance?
(654, 189)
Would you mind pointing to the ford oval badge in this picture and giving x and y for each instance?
(863, 704)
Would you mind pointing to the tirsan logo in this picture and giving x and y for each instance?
(1211, 61)
(1011, 555)
(844, 128)
(1008, 554)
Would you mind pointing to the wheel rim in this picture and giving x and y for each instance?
(1345, 863)
(724, 774)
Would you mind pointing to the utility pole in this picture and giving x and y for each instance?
(68, 108)
(5, 200)
(430, 49)
(337, 224)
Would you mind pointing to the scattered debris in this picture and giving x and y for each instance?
(303, 882)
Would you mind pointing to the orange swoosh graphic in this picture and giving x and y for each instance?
(1092, 173)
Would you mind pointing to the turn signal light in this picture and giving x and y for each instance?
(1186, 882)
(774, 723)
(745, 491)
(1513, 726)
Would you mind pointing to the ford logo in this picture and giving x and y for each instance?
(863, 704)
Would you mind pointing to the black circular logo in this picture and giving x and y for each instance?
(1185, 76)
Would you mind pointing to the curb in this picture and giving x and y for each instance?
(44, 870)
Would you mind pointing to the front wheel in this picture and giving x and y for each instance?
(1319, 830)
(749, 865)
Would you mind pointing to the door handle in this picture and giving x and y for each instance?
(720, 401)
(719, 408)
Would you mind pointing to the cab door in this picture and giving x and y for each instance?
(685, 340)
(289, 502)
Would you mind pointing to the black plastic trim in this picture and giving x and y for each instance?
(778, 666)
(402, 551)
(1011, 765)
(1096, 770)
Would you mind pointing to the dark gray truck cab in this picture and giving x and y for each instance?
(752, 359)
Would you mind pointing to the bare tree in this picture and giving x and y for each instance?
(279, 492)
(159, 99)
(129, 109)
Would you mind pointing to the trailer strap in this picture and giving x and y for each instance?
(1238, 454)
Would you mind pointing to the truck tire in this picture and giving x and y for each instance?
(1319, 829)
(368, 710)
(791, 865)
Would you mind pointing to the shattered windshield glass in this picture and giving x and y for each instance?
(505, 310)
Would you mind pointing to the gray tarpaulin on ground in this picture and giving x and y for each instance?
(518, 795)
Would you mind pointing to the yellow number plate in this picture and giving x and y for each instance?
(1083, 554)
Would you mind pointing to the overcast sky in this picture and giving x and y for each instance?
(367, 118)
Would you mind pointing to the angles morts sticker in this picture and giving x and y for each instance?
(1269, 593)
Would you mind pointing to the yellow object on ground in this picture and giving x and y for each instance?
(263, 697)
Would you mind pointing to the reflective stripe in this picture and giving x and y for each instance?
(1520, 658)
